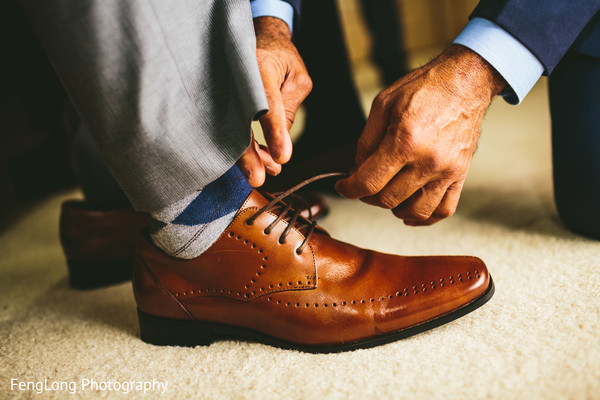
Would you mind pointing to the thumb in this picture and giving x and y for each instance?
(252, 165)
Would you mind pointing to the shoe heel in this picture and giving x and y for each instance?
(162, 331)
(96, 274)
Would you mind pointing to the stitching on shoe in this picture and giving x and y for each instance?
(165, 290)
(272, 287)
(248, 296)
(203, 227)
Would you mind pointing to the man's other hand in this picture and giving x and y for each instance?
(416, 148)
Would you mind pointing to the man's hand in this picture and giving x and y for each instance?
(416, 148)
(287, 84)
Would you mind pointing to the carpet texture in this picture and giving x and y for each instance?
(538, 338)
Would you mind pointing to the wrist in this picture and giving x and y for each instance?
(268, 27)
(470, 72)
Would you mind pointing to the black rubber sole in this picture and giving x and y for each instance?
(97, 274)
(173, 332)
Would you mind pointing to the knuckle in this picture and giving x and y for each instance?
(406, 139)
(436, 162)
(368, 187)
(305, 82)
(387, 200)
(290, 116)
(380, 100)
(419, 215)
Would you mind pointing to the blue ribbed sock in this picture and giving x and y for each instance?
(190, 226)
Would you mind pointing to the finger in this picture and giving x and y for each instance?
(374, 130)
(252, 166)
(375, 173)
(445, 209)
(423, 203)
(370, 177)
(273, 168)
(405, 184)
(274, 122)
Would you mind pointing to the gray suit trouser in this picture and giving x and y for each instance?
(167, 88)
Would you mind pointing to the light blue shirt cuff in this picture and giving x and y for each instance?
(517, 65)
(273, 8)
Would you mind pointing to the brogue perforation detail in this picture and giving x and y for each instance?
(246, 296)
(404, 293)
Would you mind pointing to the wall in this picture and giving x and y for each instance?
(425, 23)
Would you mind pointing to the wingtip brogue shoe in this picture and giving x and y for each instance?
(277, 278)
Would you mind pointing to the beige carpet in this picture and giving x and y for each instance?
(538, 338)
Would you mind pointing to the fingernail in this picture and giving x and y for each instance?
(271, 171)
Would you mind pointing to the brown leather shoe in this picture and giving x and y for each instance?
(99, 245)
(276, 278)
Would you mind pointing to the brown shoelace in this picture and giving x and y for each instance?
(289, 214)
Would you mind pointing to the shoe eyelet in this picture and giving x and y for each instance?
(281, 241)
(248, 223)
(266, 232)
